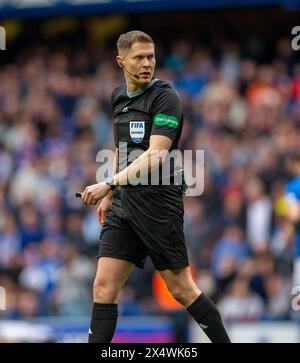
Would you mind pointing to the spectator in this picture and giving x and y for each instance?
(240, 304)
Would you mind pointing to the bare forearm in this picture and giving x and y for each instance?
(93, 193)
(140, 167)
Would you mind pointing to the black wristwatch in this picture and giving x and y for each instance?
(111, 182)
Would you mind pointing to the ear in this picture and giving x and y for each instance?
(119, 60)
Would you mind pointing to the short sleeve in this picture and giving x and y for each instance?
(167, 114)
(291, 195)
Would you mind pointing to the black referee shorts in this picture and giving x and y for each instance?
(146, 221)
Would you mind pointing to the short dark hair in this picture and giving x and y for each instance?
(126, 40)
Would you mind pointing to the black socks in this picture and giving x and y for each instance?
(204, 311)
(103, 323)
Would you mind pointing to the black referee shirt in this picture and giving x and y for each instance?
(155, 110)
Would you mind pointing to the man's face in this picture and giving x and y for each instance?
(140, 60)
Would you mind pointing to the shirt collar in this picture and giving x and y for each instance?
(144, 88)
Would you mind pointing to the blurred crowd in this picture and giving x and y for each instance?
(242, 109)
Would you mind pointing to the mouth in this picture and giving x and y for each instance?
(145, 74)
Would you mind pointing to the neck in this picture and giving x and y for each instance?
(132, 86)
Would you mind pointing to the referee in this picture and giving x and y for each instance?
(141, 220)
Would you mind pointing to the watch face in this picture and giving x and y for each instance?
(109, 180)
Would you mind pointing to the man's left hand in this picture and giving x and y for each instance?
(93, 193)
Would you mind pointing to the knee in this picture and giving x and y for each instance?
(105, 291)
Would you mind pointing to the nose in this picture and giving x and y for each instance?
(146, 63)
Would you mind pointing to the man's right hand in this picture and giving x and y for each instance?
(104, 207)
